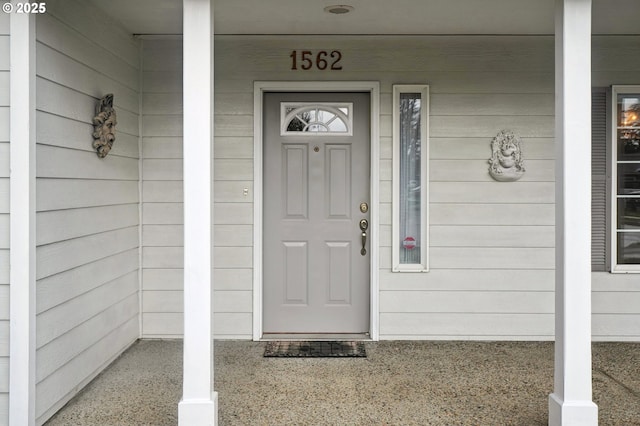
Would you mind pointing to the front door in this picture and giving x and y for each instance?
(316, 213)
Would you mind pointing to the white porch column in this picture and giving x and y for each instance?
(570, 403)
(22, 276)
(199, 403)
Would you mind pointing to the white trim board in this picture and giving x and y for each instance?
(22, 302)
(260, 87)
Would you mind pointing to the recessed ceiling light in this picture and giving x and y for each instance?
(338, 9)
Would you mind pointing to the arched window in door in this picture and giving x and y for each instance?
(315, 119)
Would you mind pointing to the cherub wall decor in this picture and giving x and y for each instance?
(104, 126)
(506, 163)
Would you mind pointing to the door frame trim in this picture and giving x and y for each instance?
(259, 89)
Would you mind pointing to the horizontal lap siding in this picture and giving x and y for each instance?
(486, 237)
(233, 215)
(615, 307)
(162, 196)
(87, 218)
(4, 218)
(162, 206)
(492, 243)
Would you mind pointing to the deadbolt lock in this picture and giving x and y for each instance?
(364, 207)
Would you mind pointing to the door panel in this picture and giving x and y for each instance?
(339, 272)
(315, 278)
(296, 267)
(338, 181)
(295, 181)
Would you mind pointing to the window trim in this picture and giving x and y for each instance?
(423, 266)
(613, 188)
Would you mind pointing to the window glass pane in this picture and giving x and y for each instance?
(410, 178)
(629, 213)
(628, 127)
(629, 179)
(336, 125)
(628, 247)
(296, 125)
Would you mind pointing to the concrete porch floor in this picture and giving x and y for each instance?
(399, 383)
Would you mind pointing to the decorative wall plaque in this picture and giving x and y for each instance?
(506, 163)
(104, 126)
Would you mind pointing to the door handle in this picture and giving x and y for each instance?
(364, 225)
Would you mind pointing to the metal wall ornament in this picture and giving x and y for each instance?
(104, 126)
(506, 163)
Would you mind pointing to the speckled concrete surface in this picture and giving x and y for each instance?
(399, 383)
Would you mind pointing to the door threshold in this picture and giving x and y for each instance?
(315, 336)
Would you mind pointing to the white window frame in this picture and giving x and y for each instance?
(613, 146)
(423, 266)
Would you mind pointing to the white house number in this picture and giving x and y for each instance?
(321, 60)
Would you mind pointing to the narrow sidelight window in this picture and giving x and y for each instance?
(410, 177)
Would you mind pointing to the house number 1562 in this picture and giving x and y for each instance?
(322, 60)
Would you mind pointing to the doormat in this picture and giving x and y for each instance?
(315, 349)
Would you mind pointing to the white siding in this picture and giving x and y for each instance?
(4, 218)
(87, 217)
(487, 231)
(492, 243)
(162, 218)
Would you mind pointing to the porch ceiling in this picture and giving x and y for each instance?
(371, 16)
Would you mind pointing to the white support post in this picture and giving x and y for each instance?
(571, 402)
(199, 403)
(22, 278)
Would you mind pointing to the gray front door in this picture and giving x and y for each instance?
(316, 179)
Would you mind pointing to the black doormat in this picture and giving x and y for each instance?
(314, 349)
